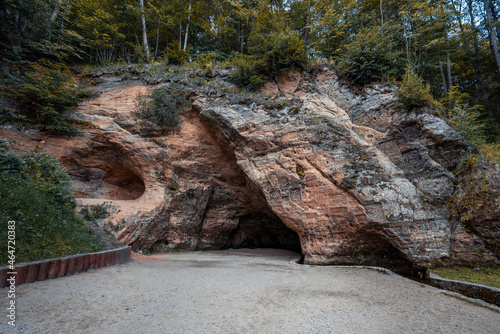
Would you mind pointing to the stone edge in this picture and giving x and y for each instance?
(479, 291)
(65, 266)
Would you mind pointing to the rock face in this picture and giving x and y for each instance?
(343, 177)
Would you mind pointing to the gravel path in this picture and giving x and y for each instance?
(240, 291)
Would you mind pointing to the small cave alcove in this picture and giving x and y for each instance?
(102, 174)
(121, 184)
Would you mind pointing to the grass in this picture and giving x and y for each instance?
(486, 276)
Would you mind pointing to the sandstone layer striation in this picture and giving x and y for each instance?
(343, 176)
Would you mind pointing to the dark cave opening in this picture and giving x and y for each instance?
(264, 230)
(373, 249)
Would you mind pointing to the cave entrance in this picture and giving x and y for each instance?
(264, 230)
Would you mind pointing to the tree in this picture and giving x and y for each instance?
(490, 24)
(144, 30)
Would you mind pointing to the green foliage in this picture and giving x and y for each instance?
(175, 55)
(94, 212)
(246, 72)
(364, 37)
(477, 199)
(287, 51)
(162, 107)
(369, 57)
(413, 93)
(206, 61)
(468, 120)
(281, 51)
(483, 275)
(36, 194)
(42, 95)
(492, 150)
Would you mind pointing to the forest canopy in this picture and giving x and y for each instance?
(453, 45)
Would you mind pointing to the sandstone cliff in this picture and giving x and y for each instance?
(344, 176)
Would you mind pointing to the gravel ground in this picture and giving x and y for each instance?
(240, 291)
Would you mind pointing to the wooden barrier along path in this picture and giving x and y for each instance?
(65, 266)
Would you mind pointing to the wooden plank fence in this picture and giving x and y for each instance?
(65, 266)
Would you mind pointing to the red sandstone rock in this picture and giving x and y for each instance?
(347, 179)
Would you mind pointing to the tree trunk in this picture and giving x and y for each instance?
(180, 34)
(448, 68)
(55, 11)
(476, 64)
(448, 61)
(242, 42)
(491, 32)
(144, 30)
(443, 78)
(187, 26)
(157, 38)
(495, 19)
(306, 28)
(382, 14)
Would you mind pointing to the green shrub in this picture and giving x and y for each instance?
(492, 150)
(413, 93)
(287, 51)
(468, 120)
(42, 95)
(369, 57)
(36, 194)
(206, 62)
(246, 74)
(175, 55)
(267, 59)
(94, 212)
(475, 199)
(162, 107)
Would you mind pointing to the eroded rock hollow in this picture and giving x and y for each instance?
(343, 177)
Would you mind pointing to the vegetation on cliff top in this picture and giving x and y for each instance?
(162, 107)
(448, 43)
